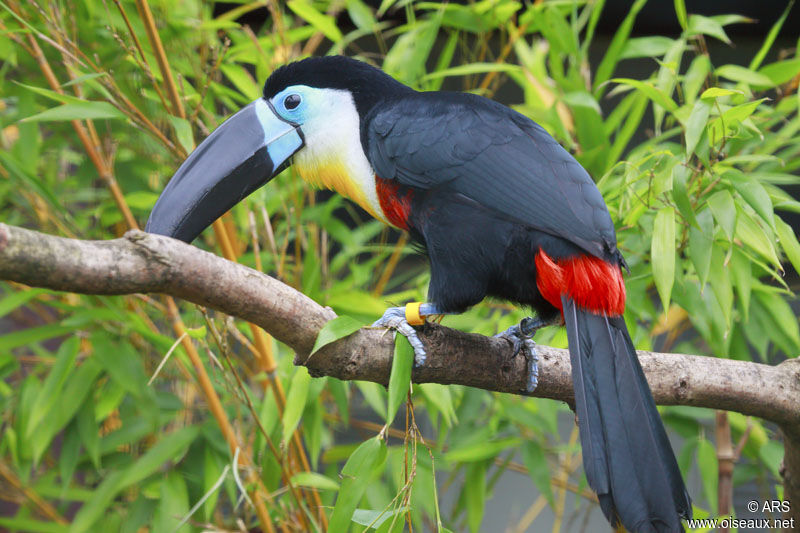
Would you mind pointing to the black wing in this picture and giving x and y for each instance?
(470, 145)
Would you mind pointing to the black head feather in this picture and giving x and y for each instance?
(368, 85)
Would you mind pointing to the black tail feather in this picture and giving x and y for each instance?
(626, 454)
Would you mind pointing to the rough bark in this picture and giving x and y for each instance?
(141, 262)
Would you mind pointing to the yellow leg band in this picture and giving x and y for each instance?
(412, 314)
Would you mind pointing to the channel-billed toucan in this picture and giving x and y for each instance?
(501, 210)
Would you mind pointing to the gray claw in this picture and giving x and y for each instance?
(395, 318)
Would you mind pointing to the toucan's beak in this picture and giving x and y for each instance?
(240, 156)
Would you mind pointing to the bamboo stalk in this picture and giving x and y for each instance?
(161, 57)
(42, 505)
(91, 149)
(391, 264)
(215, 406)
(268, 364)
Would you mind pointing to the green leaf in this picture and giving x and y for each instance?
(680, 174)
(196, 333)
(376, 518)
(85, 110)
(12, 300)
(680, 10)
(478, 451)
(407, 57)
(698, 24)
(781, 72)
(787, 336)
(141, 200)
(707, 462)
(652, 92)
(724, 210)
(355, 474)
(338, 328)
(696, 125)
(241, 79)
(173, 504)
(721, 283)
(439, 398)
(470, 69)
(183, 132)
(695, 77)
(475, 494)
(743, 74)
(612, 55)
(652, 46)
(754, 236)
(582, 99)
(324, 24)
(77, 387)
(50, 393)
(62, 98)
(89, 431)
(170, 447)
(21, 523)
(701, 240)
(716, 92)
(754, 194)
(400, 378)
(742, 274)
(535, 460)
(773, 33)
(663, 253)
(314, 480)
(295, 401)
(360, 14)
(788, 242)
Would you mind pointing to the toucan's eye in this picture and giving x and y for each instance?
(292, 101)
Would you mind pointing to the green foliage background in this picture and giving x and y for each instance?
(87, 443)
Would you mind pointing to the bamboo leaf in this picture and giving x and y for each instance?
(696, 125)
(338, 328)
(663, 253)
(314, 480)
(771, 36)
(325, 24)
(169, 447)
(680, 10)
(788, 242)
(612, 55)
(743, 74)
(295, 401)
(85, 110)
(724, 209)
(400, 377)
(707, 462)
(652, 92)
(358, 469)
(50, 393)
(701, 240)
(535, 460)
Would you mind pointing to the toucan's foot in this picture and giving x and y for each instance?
(521, 337)
(402, 319)
(395, 318)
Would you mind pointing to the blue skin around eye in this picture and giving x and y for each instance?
(298, 114)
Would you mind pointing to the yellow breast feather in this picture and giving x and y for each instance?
(334, 174)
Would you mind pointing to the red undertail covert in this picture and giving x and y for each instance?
(590, 282)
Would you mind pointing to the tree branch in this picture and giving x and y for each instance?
(141, 262)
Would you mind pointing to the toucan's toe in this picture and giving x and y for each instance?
(395, 318)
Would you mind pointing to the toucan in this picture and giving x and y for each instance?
(500, 209)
